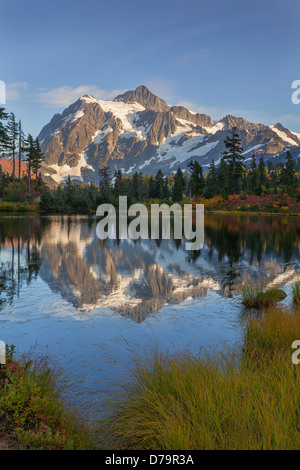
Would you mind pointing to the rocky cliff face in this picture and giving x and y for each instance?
(144, 97)
(140, 132)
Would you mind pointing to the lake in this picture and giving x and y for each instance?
(92, 305)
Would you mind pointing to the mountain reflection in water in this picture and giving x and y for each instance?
(137, 278)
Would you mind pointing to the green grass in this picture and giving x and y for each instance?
(218, 400)
(256, 296)
(272, 332)
(33, 413)
(17, 206)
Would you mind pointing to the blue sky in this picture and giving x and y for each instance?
(215, 57)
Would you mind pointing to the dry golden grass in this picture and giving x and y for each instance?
(217, 400)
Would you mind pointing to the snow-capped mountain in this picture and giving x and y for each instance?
(140, 132)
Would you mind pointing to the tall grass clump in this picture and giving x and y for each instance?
(33, 413)
(273, 332)
(296, 293)
(256, 296)
(214, 400)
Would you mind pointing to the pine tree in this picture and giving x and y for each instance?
(223, 177)
(159, 185)
(270, 165)
(197, 181)
(253, 176)
(20, 145)
(30, 149)
(274, 180)
(104, 180)
(1, 181)
(3, 133)
(212, 181)
(37, 159)
(166, 189)
(288, 177)
(234, 156)
(119, 185)
(152, 187)
(262, 178)
(12, 133)
(178, 188)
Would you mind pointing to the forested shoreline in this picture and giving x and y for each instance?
(228, 184)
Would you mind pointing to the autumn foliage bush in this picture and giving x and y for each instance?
(33, 411)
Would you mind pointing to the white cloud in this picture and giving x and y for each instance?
(15, 91)
(66, 95)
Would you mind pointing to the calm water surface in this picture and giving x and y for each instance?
(93, 305)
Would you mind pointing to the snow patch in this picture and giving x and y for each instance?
(256, 147)
(284, 136)
(219, 126)
(100, 134)
(187, 149)
(64, 171)
(126, 112)
(128, 171)
(146, 163)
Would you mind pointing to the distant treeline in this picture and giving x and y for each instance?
(229, 175)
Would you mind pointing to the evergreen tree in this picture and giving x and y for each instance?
(159, 185)
(252, 186)
(12, 134)
(3, 133)
(274, 180)
(104, 180)
(178, 188)
(30, 150)
(119, 185)
(212, 186)
(288, 177)
(234, 155)
(1, 181)
(138, 189)
(37, 159)
(20, 145)
(223, 177)
(166, 189)
(187, 180)
(270, 165)
(197, 181)
(262, 176)
(152, 187)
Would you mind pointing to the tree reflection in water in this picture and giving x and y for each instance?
(136, 278)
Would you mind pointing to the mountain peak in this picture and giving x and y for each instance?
(140, 132)
(279, 126)
(145, 97)
(142, 89)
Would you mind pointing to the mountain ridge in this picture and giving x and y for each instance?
(139, 132)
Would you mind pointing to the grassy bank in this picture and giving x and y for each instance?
(249, 212)
(33, 414)
(242, 399)
(275, 204)
(18, 207)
